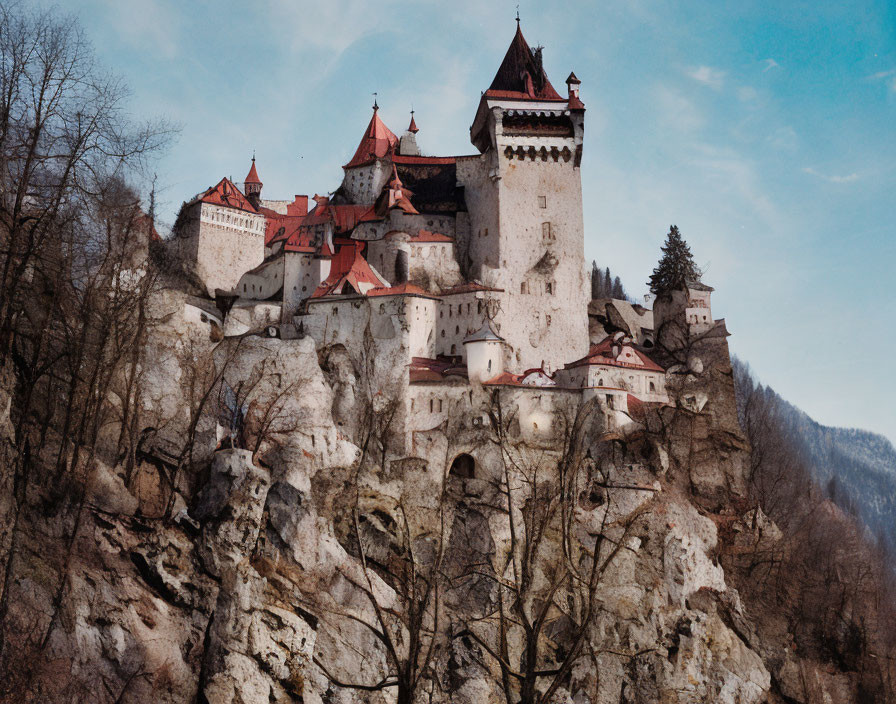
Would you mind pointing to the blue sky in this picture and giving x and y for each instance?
(765, 131)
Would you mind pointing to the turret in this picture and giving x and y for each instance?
(485, 353)
(408, 145)
(252, 185)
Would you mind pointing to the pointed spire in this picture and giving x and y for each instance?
(378, 140)
(413, 126)
(521, 72)
(252, 178)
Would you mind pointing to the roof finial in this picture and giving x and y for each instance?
(253, 156)
(375, 106)
(517, 14)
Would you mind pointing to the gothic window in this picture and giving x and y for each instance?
(542, 202)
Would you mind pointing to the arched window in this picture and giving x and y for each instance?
(652, 388)
(489, 368)
(431, 402)
(453, 349)
(463, 467)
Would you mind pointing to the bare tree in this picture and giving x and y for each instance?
(547, 584)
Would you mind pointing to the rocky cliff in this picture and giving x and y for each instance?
(284, 559)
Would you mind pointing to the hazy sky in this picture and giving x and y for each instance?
(765, 131)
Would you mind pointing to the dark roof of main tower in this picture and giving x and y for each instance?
(521, 74)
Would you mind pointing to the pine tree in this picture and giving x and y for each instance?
(676, 269)
(595, 281)
(618, 291)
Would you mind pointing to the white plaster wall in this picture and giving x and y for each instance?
(459, 316)
(230, 243)
(364, 183)
(303, 273)
(485, 359)
(262, 282)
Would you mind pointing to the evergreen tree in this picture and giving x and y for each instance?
(676, 269)
(595, 281)
(618, 291)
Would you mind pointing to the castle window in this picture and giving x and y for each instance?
(489, 367)
(244, 288)
(441, 314)
(431, 403)
(449, 310)
(478, 306)
(524, 288)
(485, 232)
(335, 310)
(542, 202)
(453, 349)
(546, 231)
(440, 405)
(610, 400)
(549, 287)
(443, 333)
(652, 388)
(457, 329)
(547, 318)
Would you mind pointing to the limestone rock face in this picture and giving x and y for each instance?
(248, 584)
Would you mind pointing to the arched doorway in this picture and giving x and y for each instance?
(463, 467)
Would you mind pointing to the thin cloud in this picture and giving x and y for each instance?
(849, 178)
(708, 76)
(888, 76)
(770, 64)
(676, 110)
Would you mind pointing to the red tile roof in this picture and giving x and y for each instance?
(520, 75)
(602, 353)
(468, 287)
(378, 140)
(427, 236)
(407, 159)
(226, 194)
(348, 267)
(253, 175)
(405, 289)
(423, 369)
(299, 230)
(413, 126)
(398, 196)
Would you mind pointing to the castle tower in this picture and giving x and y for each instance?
(524, 196)
(252, 185)
(368, 171)
(408, 145)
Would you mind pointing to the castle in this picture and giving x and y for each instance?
(435, 273)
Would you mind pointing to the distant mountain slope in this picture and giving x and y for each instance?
(857, 468)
